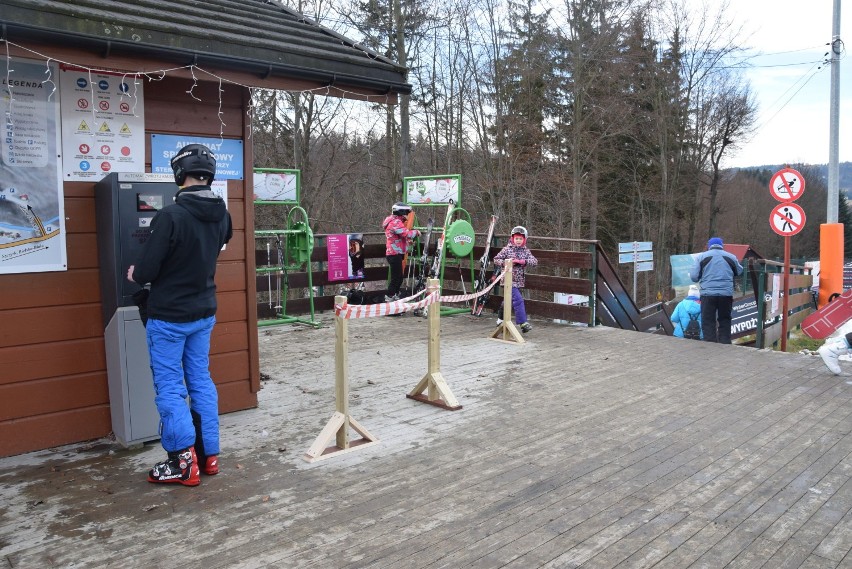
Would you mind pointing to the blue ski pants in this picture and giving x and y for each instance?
(518, 306)
(180, 357)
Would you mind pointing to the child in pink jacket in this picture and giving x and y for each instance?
(398, 240)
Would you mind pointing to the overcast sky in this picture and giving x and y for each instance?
(792, 93)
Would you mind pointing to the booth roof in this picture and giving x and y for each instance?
(256, 36)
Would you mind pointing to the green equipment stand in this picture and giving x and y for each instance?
(293, 253)
(458, 242)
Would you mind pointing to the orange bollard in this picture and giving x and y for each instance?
(830, 261)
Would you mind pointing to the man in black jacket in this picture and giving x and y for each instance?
(179, 262)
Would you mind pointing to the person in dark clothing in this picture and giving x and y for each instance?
(179, 261)
(715, 270)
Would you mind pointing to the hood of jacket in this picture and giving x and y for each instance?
(202, 203)
(387, 220)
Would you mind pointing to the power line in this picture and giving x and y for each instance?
(787, 102)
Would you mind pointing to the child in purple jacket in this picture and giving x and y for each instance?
(521, 258)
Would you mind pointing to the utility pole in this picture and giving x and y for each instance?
(831, 233)
(834, 119)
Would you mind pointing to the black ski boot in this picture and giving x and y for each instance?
(181, 467)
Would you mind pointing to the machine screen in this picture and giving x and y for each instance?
(149, 202)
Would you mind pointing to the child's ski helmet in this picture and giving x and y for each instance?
(400, 208)
(196, 160)
(519, 230)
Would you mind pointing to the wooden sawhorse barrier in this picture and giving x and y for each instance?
(338, 426)
(438, 393)
(507, 331)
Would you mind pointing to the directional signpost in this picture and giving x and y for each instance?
(786, 219)
(640, 254)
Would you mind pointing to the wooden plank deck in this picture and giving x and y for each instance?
(592, 448)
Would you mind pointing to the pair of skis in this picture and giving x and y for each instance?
(482, 281)
(423, 265)
(437, 262)
(427, 271)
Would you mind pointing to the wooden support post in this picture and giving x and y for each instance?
(338, 426)
(438, 392)
(507, 331)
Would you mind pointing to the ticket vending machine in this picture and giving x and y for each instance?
(125, 204)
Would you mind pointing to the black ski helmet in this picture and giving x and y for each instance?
(194, 159)
(400, 208)
(519, 230)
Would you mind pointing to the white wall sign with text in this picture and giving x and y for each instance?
(103, 124)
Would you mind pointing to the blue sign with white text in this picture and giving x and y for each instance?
(228, 153)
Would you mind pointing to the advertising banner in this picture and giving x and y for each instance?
(432, 190)
(345, 256)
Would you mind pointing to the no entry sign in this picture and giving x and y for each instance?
(787, 219)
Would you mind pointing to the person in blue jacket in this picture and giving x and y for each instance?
(179, 261)
(715, 270)
(687, 310)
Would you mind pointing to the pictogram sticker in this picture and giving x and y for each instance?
(787, 219)
(787, 185)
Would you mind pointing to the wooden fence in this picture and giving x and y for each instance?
(573, 267)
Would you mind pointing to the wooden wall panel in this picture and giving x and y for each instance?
(235, 249)
(231, 277)
(229, 337)
(80, 215)
(237, 210)
(54, 429)
(231, 307)
(39, 361)
(208, 92)
(34, 290)
(235, 396)
(23, 399)
(82, 251)
(53, 384)
(50, 324)
(161, 117)
(229, 366)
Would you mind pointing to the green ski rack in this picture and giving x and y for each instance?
(295, 245)
(458, 241)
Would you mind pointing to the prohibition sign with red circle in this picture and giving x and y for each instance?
(787, 219)
(787, 185)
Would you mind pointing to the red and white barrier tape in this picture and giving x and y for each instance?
(349, 311)
(471, 296)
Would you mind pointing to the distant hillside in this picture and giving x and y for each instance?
(845, 173)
